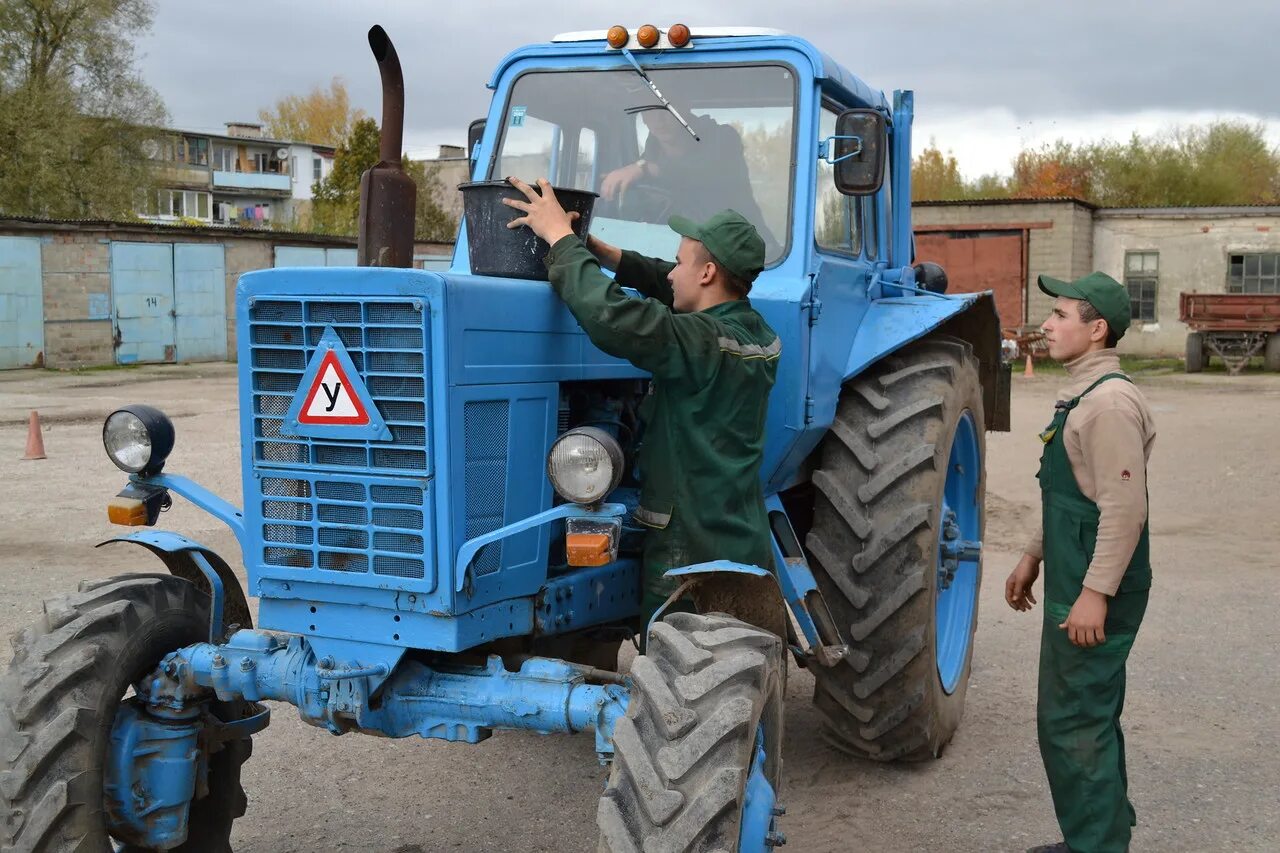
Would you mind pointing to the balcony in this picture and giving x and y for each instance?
(258, 181)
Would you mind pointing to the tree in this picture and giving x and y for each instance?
(936, 176)
(318, 116)
(336, 208)
(75, 117)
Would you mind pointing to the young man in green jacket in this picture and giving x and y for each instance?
(713, 360)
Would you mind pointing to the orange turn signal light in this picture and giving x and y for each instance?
(587, 549)
(647, 36)
(618, 36)
(128, 512)
(678, 35)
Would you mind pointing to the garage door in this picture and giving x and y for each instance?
(21, 303)
(314, 256)
(981, 260)
(169, 302)
(200, 297)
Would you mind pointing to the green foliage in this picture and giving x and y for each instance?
(75, 117)
(1220, 163)
(936, 176)
(336, 208)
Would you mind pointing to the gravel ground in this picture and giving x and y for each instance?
(1202, 720)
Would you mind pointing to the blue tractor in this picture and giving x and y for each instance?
(439, 515)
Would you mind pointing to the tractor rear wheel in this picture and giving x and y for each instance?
(697, 757)
(895, 550)
(1195, 352)
(69, 675)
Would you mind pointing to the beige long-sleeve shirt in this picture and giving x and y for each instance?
(1108, 438)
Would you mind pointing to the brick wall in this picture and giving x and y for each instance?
(76, 271)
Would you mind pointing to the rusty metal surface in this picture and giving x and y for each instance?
(1230, 312)
(387, 194)
(981, 260)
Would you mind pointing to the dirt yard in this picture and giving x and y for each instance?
(1203, 716)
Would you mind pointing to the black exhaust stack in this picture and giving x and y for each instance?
(387, 194)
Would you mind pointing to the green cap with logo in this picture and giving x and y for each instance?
(1100, 290)
(730, 238)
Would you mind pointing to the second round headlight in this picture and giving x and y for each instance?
(585, 465)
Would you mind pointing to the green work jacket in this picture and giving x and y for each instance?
(703, 437)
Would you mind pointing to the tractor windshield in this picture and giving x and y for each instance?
(605, 131)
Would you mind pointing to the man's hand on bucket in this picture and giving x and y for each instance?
(542, 213)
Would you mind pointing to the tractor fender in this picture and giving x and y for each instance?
(177, 553)
(744, 592)
(892, 323)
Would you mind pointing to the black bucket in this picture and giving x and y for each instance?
(498, 250)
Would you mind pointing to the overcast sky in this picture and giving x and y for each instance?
(990, 76)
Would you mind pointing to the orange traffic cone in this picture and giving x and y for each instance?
(1029, 370)
(35, 441)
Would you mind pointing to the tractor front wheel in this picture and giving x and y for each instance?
(70, 673)
(697, 757)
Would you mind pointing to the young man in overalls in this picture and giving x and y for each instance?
(1094, 541)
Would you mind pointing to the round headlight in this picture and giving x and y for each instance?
(138, 439)
(585, 465)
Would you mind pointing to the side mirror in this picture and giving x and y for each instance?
(475, 132)
(858, 151)
(931, 277)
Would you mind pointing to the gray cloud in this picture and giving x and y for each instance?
(1037, 60)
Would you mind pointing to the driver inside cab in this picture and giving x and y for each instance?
(679, 174)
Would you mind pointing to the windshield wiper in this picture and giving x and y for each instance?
(665, 103)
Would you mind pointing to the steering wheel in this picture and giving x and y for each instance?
(642, 201)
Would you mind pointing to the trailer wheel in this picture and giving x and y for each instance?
(1271, 356)
(698, 755)
(895, 549)
(1195, 352)
(70, 672)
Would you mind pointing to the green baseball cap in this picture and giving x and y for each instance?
(732, 240)
(1100, 290)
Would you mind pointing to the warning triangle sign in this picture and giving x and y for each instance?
(332, 400)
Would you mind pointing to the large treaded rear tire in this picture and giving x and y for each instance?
(685, 747)
(874, 544)
(60, 696)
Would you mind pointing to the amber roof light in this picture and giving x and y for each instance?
(678, 35)
(647, 35)
(618, 36)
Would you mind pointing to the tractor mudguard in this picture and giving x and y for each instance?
(177, 552)
(892, 323)
(749, 593)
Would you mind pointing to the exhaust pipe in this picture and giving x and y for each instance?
(387, 193)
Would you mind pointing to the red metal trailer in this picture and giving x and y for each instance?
(1233, 326)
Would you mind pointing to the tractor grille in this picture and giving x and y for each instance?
(485, 424)
(387, 342)
(342, 505)
(343, 526)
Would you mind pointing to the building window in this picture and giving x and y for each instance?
(224, 159)
(1258, 272)
(179, 203)
(1142, 277)
(316, 164)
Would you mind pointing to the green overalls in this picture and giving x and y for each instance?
(703, 440)
(1081, 692)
